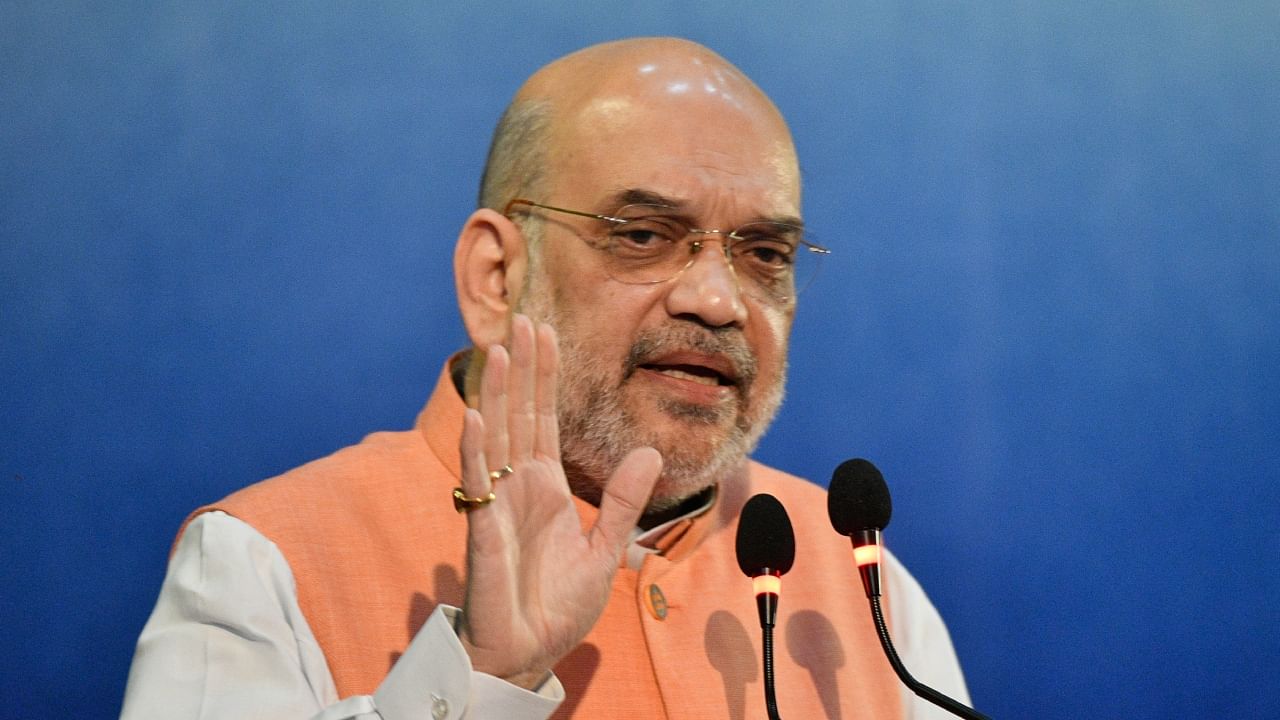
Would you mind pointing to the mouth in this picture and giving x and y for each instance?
(713, 372)
(691, 373)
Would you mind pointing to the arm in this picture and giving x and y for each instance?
(227, 639)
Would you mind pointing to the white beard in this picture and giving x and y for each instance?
(597, 429)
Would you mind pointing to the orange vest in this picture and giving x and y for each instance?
(374, 544)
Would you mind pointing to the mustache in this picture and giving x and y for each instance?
(725, 343)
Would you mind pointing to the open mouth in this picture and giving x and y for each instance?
(699, 374)
(716, 372)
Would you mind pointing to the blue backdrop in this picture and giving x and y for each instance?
(1051, 319)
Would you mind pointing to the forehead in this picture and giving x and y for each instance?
(716, 155)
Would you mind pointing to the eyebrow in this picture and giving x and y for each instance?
(641, 196)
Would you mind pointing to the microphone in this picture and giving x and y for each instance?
(859, 506)
(766, 549)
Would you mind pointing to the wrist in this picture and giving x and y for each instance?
(482, 661)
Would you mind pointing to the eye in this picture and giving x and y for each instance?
(771, 254)
(645, 237)
(767, 249)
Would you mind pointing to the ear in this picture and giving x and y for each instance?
(489, 264)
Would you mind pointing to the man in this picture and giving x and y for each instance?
(625, 362)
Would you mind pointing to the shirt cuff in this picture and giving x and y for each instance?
(434, 679)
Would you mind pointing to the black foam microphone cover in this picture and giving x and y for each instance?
(858, 499)
(765, 538)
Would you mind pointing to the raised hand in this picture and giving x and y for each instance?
(535, 582)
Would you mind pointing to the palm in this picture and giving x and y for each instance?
(536, 583)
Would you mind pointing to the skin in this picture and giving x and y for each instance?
(659, 116)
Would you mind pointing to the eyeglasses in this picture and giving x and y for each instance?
(646, 244)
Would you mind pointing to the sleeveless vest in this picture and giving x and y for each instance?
(374, 544)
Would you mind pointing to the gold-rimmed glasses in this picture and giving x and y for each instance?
(648, 244)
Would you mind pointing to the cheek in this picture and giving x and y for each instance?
(606, 317)
(769, 333)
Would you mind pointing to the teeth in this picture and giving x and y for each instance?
(700, 379)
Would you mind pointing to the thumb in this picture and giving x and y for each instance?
(625, 497)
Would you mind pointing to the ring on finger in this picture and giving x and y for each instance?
(464, 503)
(496, 475)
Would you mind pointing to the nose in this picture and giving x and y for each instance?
(708, 288)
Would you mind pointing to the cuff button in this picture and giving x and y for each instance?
(439, 707)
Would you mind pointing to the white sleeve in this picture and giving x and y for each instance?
(923, 643)
(228, 640)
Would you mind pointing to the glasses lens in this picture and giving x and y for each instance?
(772, 261)
(808, 262)
(646, 244)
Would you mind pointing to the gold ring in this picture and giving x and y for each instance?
(465, 504)
(496, 475)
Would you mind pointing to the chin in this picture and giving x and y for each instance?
(672, 491)
(701, 444)
(669, 493)
(688, 470)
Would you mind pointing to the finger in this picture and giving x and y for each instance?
(493, 404)
(548, 437)
(521, 415)
(475, 474)
(625, 497)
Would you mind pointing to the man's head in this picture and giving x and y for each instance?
(694, 365)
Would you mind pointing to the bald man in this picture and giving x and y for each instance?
(555, 535)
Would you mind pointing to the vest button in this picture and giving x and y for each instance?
(657, 602)
(439, 707)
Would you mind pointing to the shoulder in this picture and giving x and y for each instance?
(378, 459)
(369, 479)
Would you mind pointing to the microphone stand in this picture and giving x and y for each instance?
(946, 703)
(859, 506)
(766, 548)
(768, 606)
